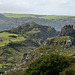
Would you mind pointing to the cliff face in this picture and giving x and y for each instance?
(67, 30)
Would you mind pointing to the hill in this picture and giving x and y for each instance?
(7, 21)
(16, 41)
(34, 31)
(55, 55)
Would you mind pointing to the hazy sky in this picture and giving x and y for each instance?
(44, 7)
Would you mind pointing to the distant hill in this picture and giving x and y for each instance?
(7, 21)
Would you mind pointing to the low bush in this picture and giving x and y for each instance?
(47, 65)
(69, 71)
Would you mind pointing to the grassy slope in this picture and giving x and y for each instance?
(55, 17)
(15, 42)
(6, 53)
(6, 38)
(52, 48)
(12, 47)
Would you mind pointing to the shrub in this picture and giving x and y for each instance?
(47, 65)
(69, 71)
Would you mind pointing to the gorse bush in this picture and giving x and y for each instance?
(47, 65)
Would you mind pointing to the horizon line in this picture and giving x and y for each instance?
(37, 14)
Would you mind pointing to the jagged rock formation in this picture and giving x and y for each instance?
(47, 42)
(62, 39)
(67, 41)
(67, 30)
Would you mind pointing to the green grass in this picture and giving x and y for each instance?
(61, 49)
(12, 48)
(18, 15)
(0, 65)
(73, 18)
(55, 17)
(37, 16)
(6, 38)
(52, 48)
(55, 48)
(33, 31)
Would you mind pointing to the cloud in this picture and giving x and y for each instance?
(49, 7)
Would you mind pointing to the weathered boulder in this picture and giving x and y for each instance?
(69, 42)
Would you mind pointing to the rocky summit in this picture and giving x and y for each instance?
(67, 30)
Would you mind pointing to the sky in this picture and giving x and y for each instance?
(42, 7)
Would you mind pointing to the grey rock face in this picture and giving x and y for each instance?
(24, 56)
(47, 42)
(66, 42)
(67, 30)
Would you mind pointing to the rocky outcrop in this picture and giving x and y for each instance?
(67, 41)
(67, 30)
(47, 42)
(26, 57)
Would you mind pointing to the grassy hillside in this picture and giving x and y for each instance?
(7, 51)
(55, 56)
(44, 66)
(11, 54)
(6, 38)
(12, 47)
(57, 45)
(51, 59)
(15, 42)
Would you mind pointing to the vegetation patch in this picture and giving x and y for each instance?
(69, 71)
(48, 65)
(6, 38)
